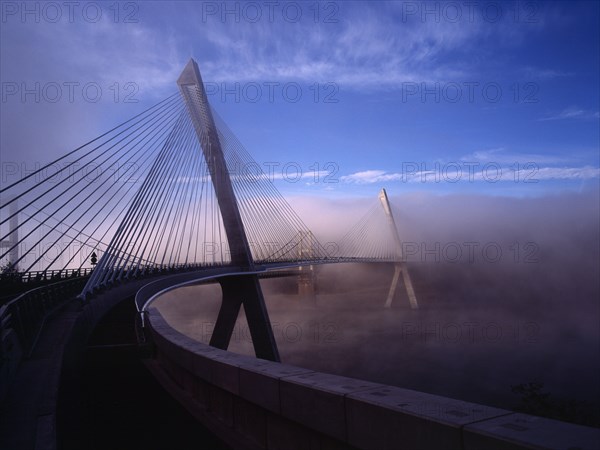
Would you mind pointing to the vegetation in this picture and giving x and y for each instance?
(534, 400)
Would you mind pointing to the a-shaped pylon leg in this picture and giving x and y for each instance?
(412, 298)
(245, 290)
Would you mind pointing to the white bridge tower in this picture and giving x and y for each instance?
(400, 266)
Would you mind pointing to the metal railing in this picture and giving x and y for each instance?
(27, 313)
(45, 275)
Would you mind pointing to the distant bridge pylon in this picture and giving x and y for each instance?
(374, 237)
(11, 240)
(400, 266)
(306, 278)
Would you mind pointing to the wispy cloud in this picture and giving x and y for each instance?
(568, 173)
(544, 74)
(501, 155)
(367, 48)
(105, 53)
(371, 176)
(457, 174)
(573, 112)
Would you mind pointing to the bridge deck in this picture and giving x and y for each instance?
(119, 400)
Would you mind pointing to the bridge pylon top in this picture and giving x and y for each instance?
(385, 202)
(194, 95)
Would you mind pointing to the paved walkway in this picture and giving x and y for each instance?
(116, 403)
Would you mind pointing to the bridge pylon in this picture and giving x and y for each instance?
(400, 266)
(244, 289)
(306, 278)
(12, 242)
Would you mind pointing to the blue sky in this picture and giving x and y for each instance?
(500, 98)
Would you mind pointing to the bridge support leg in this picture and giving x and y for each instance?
(393, 286)
(306, 283)
(412, 298)
(245, 290)
(410, 291)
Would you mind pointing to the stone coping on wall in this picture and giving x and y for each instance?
(359, 413)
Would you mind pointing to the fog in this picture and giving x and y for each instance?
(520, 303)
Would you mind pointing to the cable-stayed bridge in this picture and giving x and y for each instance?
(171, 198)
(172, 189)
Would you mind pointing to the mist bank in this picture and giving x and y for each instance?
(483, 324)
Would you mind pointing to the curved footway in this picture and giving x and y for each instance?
(255, 403)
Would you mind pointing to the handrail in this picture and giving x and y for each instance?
(44, 275)
(55, 274)
(152, 290)
(27, 313)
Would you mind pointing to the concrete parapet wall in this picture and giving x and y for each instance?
(254, 403)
